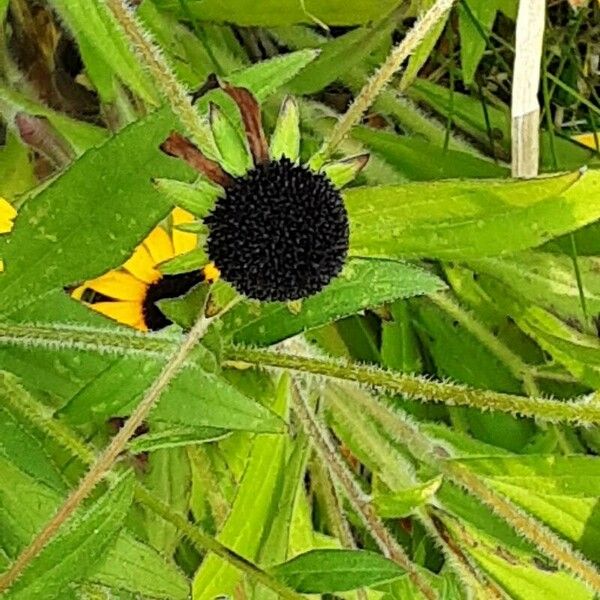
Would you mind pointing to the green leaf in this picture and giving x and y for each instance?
(112, 205)
(340, 55)
(167, 478)
(235, 156)
(16, 170)
(79, 545)
(562, 491)
(459, 220)
(421, 54)
(285, 140)
(403, 503)
(175, 437)
(133, 566)
(522, 575)
(420, 160)
(219, 405)
(18, 443)
(578, 352)
(104, 50)
(271, 13)
(251, 514)
(329, 571)
(546, 280)
(472, 36)
(198, 197)
(262, 79)
(363, 283)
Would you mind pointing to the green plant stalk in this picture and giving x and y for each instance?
(584, 412)
(171, 89)
(541, 536)
(476, 584)
(335, 513)
(203, 541)
(326, 451)
(382, 77)
(106, 460)
(38, 415)
(118, 342)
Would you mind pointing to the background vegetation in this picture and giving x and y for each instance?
(426, 427)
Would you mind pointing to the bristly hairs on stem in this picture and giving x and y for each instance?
(21, 403)
(326, 450)
(152, 58)
(381, 78)
(106, 460)
(403, 428)
(580, 411)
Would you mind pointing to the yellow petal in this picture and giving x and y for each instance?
(127, 313)
(1, 265)
(77, 293)
(588, 139)
(141, 265)
(211, 273)
(182, 240)
(119, 285)
(7, 214)
(159, 245)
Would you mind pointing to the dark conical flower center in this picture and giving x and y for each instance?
(168, 286)
(280, 232)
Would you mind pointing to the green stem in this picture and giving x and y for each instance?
(20, 402)
(382, 77)
(326, 450)
(105, 461)
(417, 443)
(585, 411)
(203, 541)
(119, 342)
(154, 60)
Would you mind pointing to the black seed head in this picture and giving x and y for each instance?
(280, 232)
(168, 286)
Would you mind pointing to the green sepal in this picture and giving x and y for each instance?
(286, 137)
(235, 157)
(197, 227)
(193, 260)
(184, 310)
(197, 198)
(342, 172)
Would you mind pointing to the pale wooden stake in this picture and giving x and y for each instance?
(525, 107)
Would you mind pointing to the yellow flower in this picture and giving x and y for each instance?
(591, 140)
(7, 215)
(129, 294)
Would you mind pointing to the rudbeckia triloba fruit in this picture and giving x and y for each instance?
(277, 229)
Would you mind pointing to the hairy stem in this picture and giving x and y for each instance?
(170, 88)
(20, 402)
(100, 340)
(326, 450)
(585, 411)
(106, 460)
(541, 536)
(382, 77)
